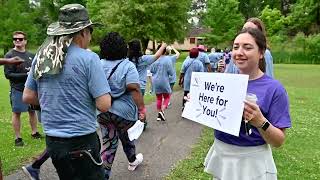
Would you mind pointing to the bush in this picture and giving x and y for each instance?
(313, 48)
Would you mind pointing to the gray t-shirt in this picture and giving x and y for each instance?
(67, 99)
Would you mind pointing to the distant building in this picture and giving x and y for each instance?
(194, 38)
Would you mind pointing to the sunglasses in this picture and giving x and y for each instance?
(16, 39)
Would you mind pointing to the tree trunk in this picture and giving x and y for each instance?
(285, 7)
(144, 43)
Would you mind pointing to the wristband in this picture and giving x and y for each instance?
(143, 110)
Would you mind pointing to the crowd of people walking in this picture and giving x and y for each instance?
(75, 91)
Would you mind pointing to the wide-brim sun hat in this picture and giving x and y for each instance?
(72, 18)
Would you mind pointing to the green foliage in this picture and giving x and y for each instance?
(156, 20)
(305, 16)
(313, 48)
(273, 20)
(224, 19)
(22, 21)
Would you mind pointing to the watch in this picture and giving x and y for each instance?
(265, 125)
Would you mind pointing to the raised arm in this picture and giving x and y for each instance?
(160, 50)
(176, 52)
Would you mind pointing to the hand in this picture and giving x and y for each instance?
(187, 97)
(16, 60)
(253, 114)
(142, 114)
(221, 66)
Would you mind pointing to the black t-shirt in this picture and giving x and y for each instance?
(17, 74)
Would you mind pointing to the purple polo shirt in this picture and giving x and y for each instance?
(274, 105)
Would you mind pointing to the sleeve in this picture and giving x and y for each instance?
(31, 83)
(200, 67)
(232, 68)
(132, 75)
(279, 109)
(206, 58)
(148, 59)
(97, 80)
(183, 66)
(269, 63)
(10, 71)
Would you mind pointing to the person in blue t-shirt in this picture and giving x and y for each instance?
(203, 57)
(127, 102)
(258, 24)
(162, 70)
(190, 64)
(69, 85)
(142, 62)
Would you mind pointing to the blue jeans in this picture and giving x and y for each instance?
(76, 158)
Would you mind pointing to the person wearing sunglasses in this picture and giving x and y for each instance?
(17, 75)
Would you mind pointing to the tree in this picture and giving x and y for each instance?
(147, 20)
(273, 20)
(224, 19)
(305, 16)
(16, 15)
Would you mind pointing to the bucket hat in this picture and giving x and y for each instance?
(72, 18)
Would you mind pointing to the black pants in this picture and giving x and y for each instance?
(76, 158)
(183, 100)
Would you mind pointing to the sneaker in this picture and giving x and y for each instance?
(159, 117)
(31, 173)
(132, 166)
(163, 118)
(36, 135)
(18, 142)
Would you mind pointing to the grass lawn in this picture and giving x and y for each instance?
(299, 157)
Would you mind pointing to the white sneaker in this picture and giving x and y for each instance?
(132, 166)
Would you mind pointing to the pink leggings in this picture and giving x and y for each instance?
(165, 97)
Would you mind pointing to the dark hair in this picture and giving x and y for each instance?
(194, 52)
(134, 51)
(113, 47)
(261, 41)
(164, 50)
(20, 32)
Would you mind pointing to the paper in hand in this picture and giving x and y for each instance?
(136, 130)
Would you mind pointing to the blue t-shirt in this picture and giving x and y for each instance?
(143, 63)
(274, 105)
(214, 59)
(232, 68)
(161, 71)
(67, 99)
(173, 79)
(190, 65)
(126, 73)
(203, 57)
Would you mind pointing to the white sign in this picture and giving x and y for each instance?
(216, 100)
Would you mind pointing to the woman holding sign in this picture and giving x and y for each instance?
(249, 156)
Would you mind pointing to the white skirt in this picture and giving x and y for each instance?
(230, 162)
